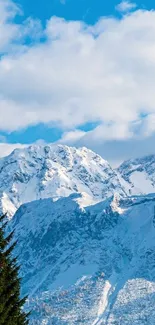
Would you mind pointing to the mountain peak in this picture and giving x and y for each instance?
(54, 171)
(139, 174)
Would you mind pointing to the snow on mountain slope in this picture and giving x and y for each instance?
(54, 171)
(138, 175)
(92, 265)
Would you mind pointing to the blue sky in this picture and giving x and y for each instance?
(74, 83)
(88, 10)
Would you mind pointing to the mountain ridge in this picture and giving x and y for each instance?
(85, 235)
(54, 171)
(139, 174)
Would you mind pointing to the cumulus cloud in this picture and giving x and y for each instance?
(12, 35)
(115, 150)
(80, 74)
(71, 73)
(125, 6)
(8, 29)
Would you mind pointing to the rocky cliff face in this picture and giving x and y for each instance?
(92, 265)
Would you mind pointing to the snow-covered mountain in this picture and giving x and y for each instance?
(54, 171)
(138, 175)
(86, 241)
(92, 265)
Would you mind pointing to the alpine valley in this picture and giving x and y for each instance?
(86, 235)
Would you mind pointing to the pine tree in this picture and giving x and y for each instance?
(11, 304)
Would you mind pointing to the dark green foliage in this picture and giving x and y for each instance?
(11, 312)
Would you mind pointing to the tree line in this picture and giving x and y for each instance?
(11, 303)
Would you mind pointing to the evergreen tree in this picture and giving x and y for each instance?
(11, 304)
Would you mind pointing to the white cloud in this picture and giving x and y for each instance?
(114, 150)
(126, 6)
(72, 137)
(7, 148)
(100, 134)
(111, 143)
(79, 74)
(11, 34)
(8, 30)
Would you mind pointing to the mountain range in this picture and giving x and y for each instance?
(86, 234)
(39, 172)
